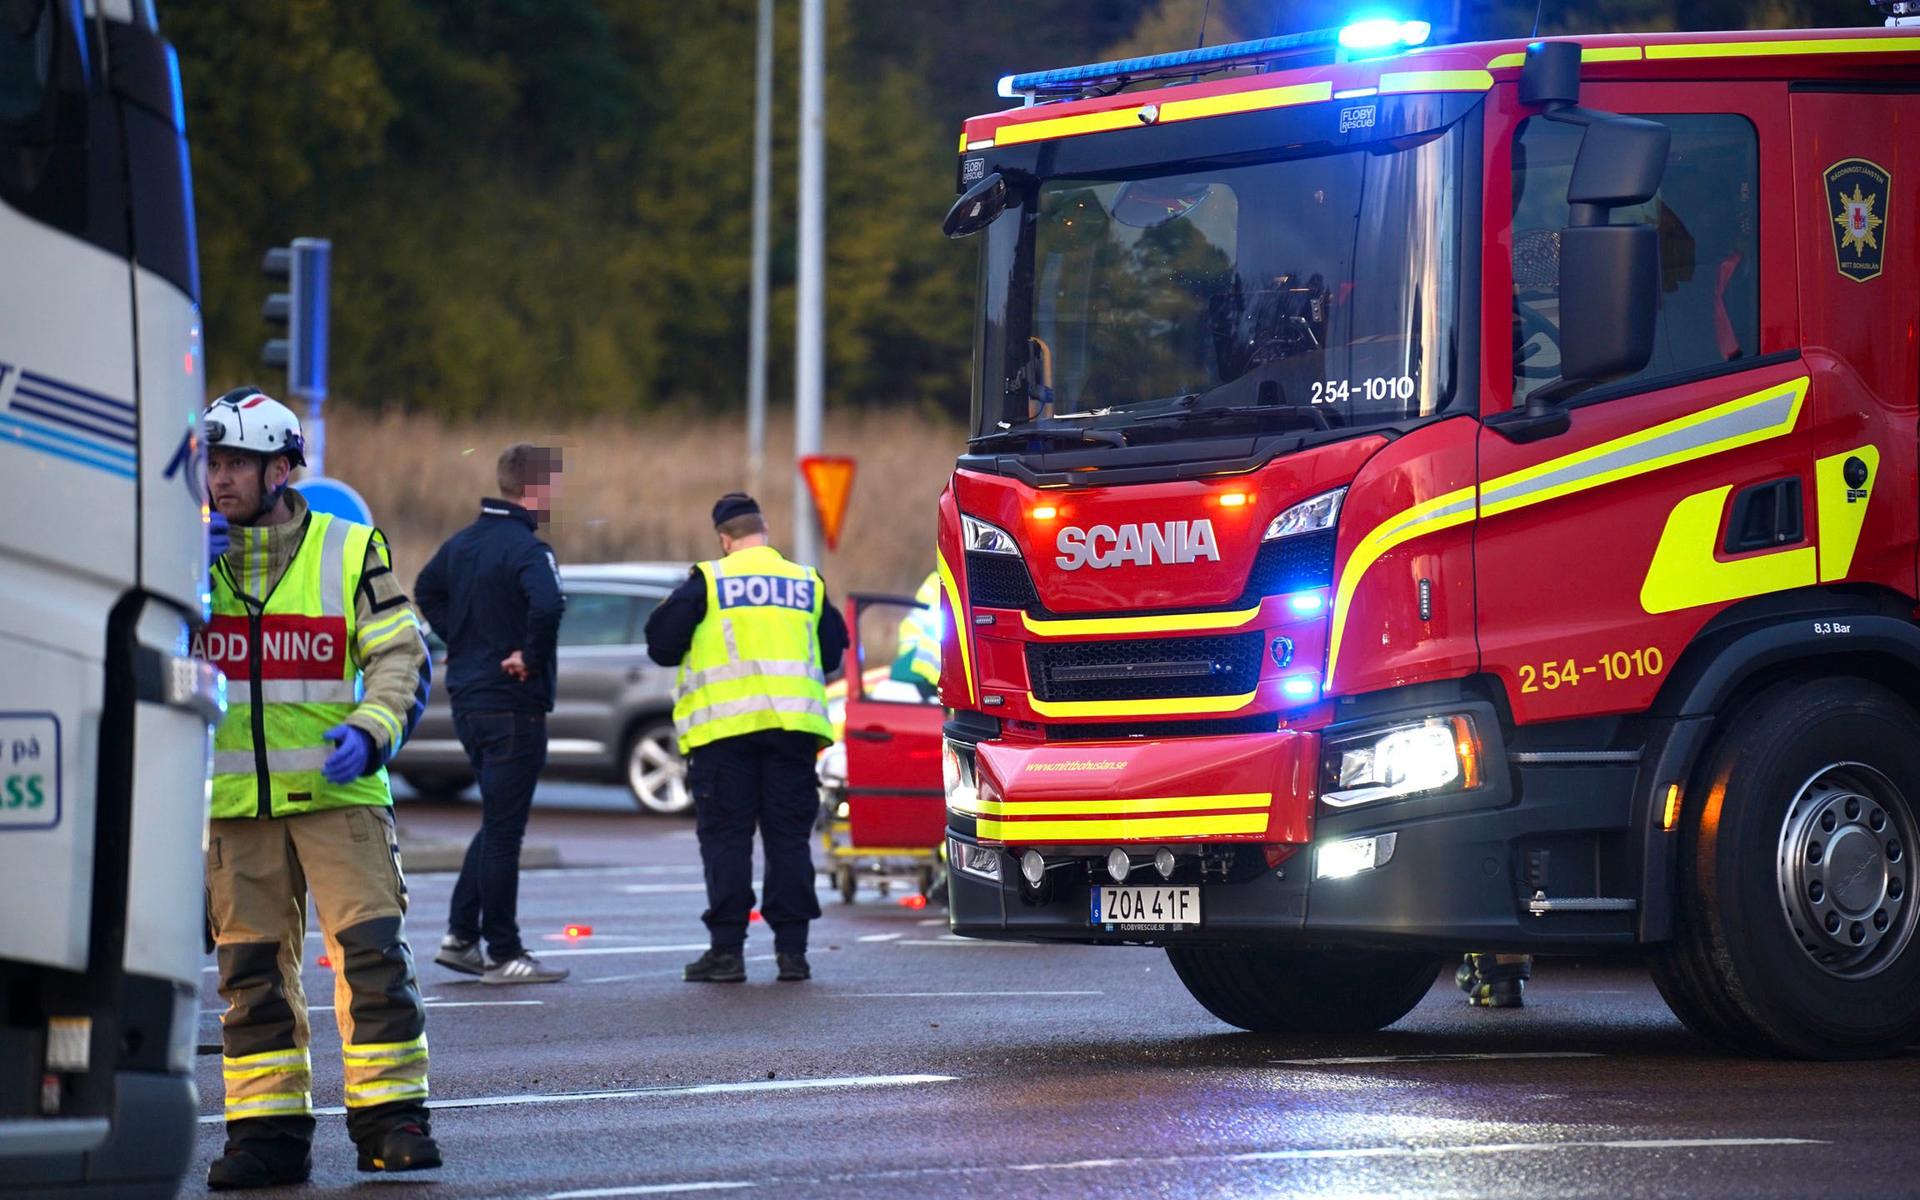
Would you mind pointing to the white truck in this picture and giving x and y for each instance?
(104, 719)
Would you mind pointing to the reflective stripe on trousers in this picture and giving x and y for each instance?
(275, 1083)
(382, 1072)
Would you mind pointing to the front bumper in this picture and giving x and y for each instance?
(1461, 873)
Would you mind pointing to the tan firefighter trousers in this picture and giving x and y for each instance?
(259, 871)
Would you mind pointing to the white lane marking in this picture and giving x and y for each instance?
(945, 995)
(1351, 1152)
(656, 889)
(951, 940)
(672, 974)
(1381, 1059)
(931, 921)
(882, 937)
(699, 1089)
(654, 1189)
(1257, 1156)
(314, 1008)
(679, 948)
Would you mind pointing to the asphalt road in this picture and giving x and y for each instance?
(919, 1065)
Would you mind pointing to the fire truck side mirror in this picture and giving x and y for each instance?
(1609, 293)
(976, 209)
(1621, 162)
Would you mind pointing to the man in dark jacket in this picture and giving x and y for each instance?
(492, 593)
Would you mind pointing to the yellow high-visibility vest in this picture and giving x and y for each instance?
(291, 677)
(920, 633)
(755, 659)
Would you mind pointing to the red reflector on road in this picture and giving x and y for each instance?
(753, 916)
(579, 931)
(915, 901)
(323, 961)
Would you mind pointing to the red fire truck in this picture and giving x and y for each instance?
(1426, 499)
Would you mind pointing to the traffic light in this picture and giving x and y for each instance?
(305, 265)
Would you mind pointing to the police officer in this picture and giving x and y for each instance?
(329, 674)
(754, 638)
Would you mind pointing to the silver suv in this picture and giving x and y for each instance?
(613, 713)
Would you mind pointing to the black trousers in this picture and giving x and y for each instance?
(763, 779)
(508, 751)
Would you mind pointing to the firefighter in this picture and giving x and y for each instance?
(1495, 980)
(754, 638)
(329, 673)
(918, 660)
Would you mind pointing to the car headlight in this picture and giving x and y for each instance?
(985, 538)
(956, 773)
(1308, 516)
(1438, 754)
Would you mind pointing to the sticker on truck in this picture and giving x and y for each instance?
(29, 771)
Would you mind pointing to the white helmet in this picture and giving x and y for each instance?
(246, 418)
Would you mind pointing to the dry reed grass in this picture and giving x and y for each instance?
(643, 488)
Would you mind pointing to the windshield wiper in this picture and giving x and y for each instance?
(1211, 416)
(1050, 430)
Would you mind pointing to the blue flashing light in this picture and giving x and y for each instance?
(1204, 58)
(1374, 34)
(1300, 687)
(1306, 603)
(1005, 90)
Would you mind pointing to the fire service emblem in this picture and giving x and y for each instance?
(1858, 192)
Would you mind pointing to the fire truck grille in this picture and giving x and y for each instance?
(1148, 669)
(1291, 565)
(1159, 730)
(999, 581)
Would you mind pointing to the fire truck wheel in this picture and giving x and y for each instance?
(1268, 989)
(846, 883)
(1795, 914)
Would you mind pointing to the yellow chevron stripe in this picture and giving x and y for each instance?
(1072, 808)
(1123, 828)
(1158, 623)
(962, 632)
(1175, 707)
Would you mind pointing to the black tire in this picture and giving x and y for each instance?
(1766, 958)
(846, 883)
(1274, 990)
(439, 789)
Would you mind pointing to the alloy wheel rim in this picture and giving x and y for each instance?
(657, 775)
(1845, 870)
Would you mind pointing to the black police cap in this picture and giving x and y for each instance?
(731, 505)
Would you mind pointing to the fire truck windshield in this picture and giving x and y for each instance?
(1300, 293)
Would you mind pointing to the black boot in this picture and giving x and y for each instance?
(716, 966)
(241, 1168)
(1490, 983)
(793, 967)
(401, 1148)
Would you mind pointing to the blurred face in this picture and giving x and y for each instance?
(234, 482)
(540, 497)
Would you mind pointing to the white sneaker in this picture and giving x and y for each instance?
(461, 956)
(524, 968)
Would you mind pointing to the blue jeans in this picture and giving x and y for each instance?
(507, 750)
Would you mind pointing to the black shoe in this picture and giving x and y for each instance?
(716, 966)
(402, 1148)
(237, 1169)
(1490, 983)
(793, 967)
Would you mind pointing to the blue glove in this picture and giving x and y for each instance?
(219, 534)
(349, 760)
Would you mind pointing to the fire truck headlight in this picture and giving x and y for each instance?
(1440, 754)
(983, 861)
(956, 773)
(1308, 516)
(1337, 860)
(986, 539)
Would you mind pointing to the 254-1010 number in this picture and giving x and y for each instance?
(1613, 667)
(1374, 390)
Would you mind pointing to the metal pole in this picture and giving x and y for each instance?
(810, 319)
(762, 177)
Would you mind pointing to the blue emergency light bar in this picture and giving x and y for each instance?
(1371, 35)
